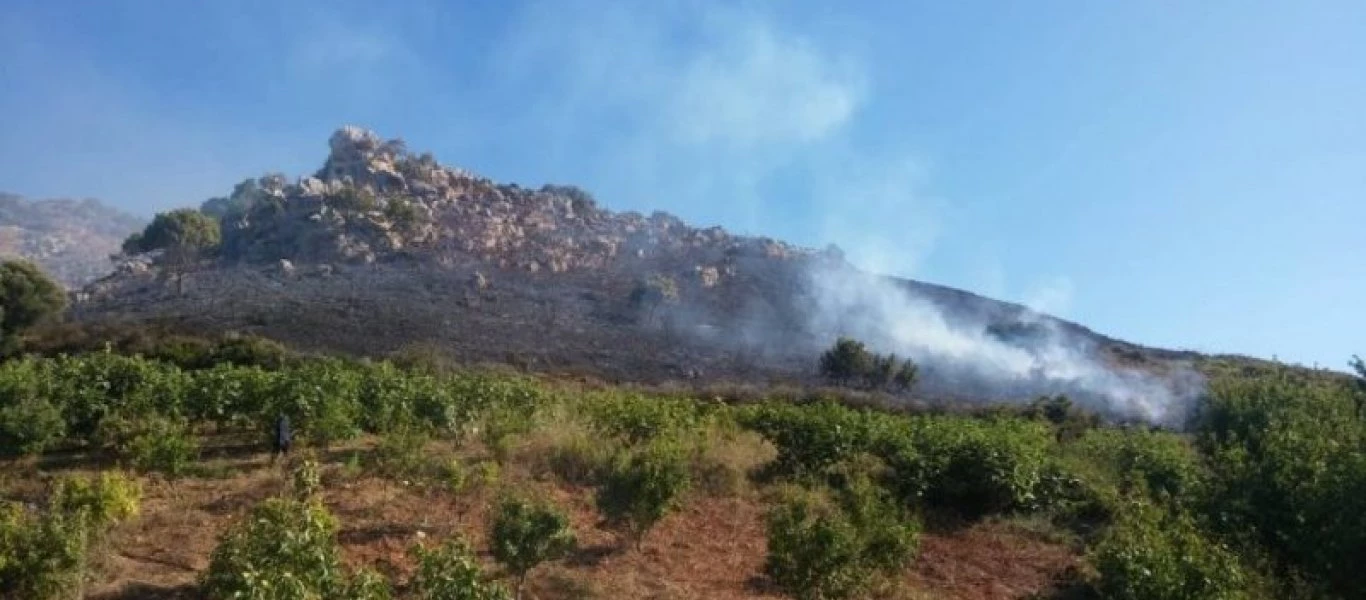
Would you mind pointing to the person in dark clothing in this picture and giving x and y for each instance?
(283, 439)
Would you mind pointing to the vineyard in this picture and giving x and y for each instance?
(128, 477)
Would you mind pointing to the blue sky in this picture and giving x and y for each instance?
(1183, 174)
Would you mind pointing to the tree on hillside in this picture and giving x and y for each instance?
(905, 375)
(183, 236)
(652, 292)
(27, 297)
(847, 361)
(884, 370)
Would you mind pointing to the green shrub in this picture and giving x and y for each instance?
(811, 438)
(974, 467)
(1160, 464)
(366, 584)
(642, 487)
(42, 556)
(1288, 473)
(306, 479)
(251, 351)
(459, 478)
(353, 199)
(102, 386)
(230, 395)
(321, 398)
(28, 297)
(821, 547)
(1078, 494)
(635, 419)
(284, 549)
(450, 572)
(401, 212)
(103, 500)
(400, 454)
(888, 533)
(525, 534)
(813, 552)
(163, 446)
(500, 424)
(30, 426)
(1151, 554)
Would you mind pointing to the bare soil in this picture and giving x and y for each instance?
(713, 548)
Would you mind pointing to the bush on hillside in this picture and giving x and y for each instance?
(810, 438)
(450, 572)
(399, 454)
(29, 426)
(1152, 554)
(27, 297)
(973, 467)
(1288, 473)
(44, 554)
(634, 419)
(524, 534)
(285, 548)
(353, 199)
(1162, 465)
(821, 547)
(642, 487)
(162, 445)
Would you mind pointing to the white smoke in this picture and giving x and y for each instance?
(959, 354)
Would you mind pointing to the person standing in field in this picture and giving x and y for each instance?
(282, 439)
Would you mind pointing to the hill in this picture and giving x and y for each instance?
(70, 239)
(383, 248)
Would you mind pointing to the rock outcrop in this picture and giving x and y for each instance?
(374, 201)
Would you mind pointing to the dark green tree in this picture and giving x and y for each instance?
(183, 235)
(183, 228)
(27, 297)
(848, 360)
(883, 372)
(906, 375)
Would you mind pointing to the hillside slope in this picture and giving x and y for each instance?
(382, 248)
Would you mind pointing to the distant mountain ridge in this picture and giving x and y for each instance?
(70, 239)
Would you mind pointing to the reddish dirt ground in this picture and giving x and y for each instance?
(712, 548)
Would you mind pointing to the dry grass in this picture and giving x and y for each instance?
(726, 461)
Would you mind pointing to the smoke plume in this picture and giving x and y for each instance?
(962, 356)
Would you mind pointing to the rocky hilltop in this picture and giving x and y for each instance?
(382, 248)
(70, 239)
(372, 200)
